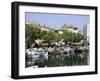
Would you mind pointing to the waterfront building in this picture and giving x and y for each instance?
(86, 31)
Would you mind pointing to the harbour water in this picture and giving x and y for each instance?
(77, 59)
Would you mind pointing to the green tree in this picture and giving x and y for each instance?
(72, 37)
(48, 36)
(31, 33)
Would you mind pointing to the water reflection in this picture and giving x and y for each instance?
(54, 60)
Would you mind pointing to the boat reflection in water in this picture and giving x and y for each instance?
(34, 56)
(59, 57)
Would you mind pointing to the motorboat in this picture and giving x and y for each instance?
(86, 48)
(66, 51)
(69, 50)
(45, 55)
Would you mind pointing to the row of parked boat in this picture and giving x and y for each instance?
(36, 53)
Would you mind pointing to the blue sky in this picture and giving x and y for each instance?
(57, 20)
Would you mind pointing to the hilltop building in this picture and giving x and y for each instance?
(69, 28)
(65, 27)
(42, 27)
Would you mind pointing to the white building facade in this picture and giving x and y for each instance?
(86, 32)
